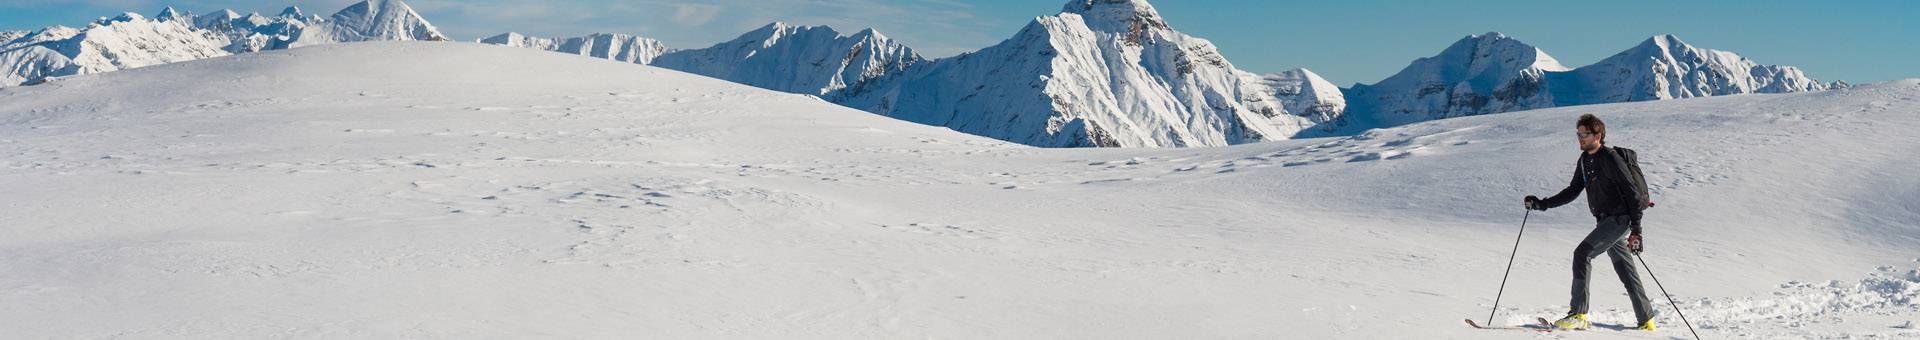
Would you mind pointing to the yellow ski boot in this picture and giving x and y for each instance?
(1573, 322)
(1648, 326)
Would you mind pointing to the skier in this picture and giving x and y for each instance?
(1611, 194)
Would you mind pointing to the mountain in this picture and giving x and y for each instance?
(372, 20)
(126, 41)
(1102, 73)
(131, 40)
(1304, 93)
(1493, 73)
(1664, 67)
(621, 47)
(814, 60)
(253, 32)
(1479, 74)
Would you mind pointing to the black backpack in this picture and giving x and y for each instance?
(1629, 162)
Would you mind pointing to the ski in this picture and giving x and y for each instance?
(1477, 325)
(1545, 323)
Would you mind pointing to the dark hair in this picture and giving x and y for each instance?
(1594, 125)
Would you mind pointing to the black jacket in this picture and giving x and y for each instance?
(1609, 193)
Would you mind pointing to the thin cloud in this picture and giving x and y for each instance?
(694, 14)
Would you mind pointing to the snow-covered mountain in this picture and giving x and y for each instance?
(371, 20)
(1664, 67)
(253, 32)
(1102, 73)
(814, 60)
(1304, 93)
(127, 41)
(1493, 73)
(1480, 74)
(621, 47)
(131, 40)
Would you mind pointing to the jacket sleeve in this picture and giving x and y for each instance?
(1566, 195)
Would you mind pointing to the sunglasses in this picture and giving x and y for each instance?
(1584, 134)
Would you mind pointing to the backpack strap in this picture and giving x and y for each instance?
(1626, 173)
(1620, 160)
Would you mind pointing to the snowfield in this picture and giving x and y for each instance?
(457, 190)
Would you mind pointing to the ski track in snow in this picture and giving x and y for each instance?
(539, 201)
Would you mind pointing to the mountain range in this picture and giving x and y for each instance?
(131, 40)
(1114, 73)
(1100, 73)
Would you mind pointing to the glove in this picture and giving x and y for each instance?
(1633, 243)
(1533, 203)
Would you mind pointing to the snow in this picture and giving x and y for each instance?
(341, 191)
(1305, 93)
(169, 14)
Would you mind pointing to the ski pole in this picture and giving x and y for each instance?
(1503, 277)
(1663, 291)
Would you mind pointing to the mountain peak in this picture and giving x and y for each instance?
(1663, 42)
(124, 17)
(386, 20)
(293, 12)
(1497, 45)
(169, 14)
(1115, 15)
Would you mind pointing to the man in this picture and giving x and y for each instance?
(1611, 197)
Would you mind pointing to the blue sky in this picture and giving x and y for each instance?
(1346, 41)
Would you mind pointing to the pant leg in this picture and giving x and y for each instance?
(1629, 276)
(1607, 234)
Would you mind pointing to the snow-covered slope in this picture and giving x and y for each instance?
(342, 192)
(1105, 73)
(131, 40)
(127, 41)
(1663, 67)
(812, 60)
(1480, 74)
(620, 47)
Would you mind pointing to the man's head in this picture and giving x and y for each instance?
(1592, 132)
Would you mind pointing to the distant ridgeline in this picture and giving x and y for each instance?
(131, 40)
(1101, 73)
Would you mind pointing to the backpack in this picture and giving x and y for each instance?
(1629, 162)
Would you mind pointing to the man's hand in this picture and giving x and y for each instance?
(1633, 243)
(1533, 203)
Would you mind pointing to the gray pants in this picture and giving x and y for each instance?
(1610, 236)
